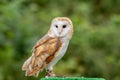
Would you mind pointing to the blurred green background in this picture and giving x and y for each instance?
(94, 50)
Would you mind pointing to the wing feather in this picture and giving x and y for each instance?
(43, 53)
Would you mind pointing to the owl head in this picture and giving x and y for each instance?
(61, 27)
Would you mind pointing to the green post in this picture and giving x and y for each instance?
(71, 78)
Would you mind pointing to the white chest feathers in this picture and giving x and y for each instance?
(59, 55)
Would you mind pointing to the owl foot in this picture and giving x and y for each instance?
(50, 73)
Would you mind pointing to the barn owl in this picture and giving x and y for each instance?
(49, 49)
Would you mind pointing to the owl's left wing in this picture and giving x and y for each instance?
(44, 52)
(42, 41)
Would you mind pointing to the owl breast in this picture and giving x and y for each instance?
(59, 54)
(62, 51)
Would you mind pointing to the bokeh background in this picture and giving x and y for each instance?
(94, 50)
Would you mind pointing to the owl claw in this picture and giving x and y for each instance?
(50, 73)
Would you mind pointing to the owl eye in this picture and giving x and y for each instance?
(56, 26)
(64, 26)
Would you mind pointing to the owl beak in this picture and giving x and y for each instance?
(60, 31)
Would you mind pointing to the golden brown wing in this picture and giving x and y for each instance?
(43, 53)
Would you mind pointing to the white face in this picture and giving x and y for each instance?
(61, 28)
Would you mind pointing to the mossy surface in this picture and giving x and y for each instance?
(71, 78)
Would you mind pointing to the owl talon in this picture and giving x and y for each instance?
(50, 73)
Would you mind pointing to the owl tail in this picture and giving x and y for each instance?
(33, 66)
